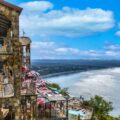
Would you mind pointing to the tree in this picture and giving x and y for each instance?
(108, 117)
(54, 85)
(100, 106)
(117, 118)
(64, 92)
(78, 117)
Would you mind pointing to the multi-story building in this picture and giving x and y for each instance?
(14, 53)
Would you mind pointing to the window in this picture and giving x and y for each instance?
(1, 42)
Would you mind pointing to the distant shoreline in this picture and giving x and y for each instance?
(72, 72)
(59, 74)
(53, 68)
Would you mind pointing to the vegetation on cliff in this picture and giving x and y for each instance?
(101, 108)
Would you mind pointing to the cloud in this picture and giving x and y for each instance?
(118, 33)
(112, 47)
(65, 22)
(43, 45)
(112, 53)
(52, 50)
(67, 50)
(36, 6)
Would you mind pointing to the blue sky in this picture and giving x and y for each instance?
(72, 29)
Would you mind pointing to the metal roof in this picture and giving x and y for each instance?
(56, 98)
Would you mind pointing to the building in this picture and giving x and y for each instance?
(28, 84)
(12, 58)
(26, 49)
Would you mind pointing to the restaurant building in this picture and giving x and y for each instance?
(12, 60)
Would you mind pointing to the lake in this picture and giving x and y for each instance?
(104, 82)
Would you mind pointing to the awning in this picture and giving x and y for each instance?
(55, 98)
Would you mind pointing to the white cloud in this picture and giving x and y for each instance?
(36, 6)
(112, 53)
(67, 50)
(48, 50)
(112, 47)
(52, 50)
(118, 33)
(37, 45)
(67, 22)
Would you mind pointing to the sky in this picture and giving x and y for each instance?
(71, 29)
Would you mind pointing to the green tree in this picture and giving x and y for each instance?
(54, 85)
(108, 117)
(100, 106)
(64, 92)
(117, 118)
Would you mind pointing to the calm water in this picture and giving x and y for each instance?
(105, 82)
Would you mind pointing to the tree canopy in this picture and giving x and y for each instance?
(101, 108)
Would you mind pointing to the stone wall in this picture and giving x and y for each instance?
(13, 60)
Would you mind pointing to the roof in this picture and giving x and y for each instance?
(9, 5)
(56, 98)
(25, 40)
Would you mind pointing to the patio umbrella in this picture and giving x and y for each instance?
(40, 101)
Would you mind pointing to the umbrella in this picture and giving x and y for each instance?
(40, 101)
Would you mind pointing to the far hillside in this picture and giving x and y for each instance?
(48, 68)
